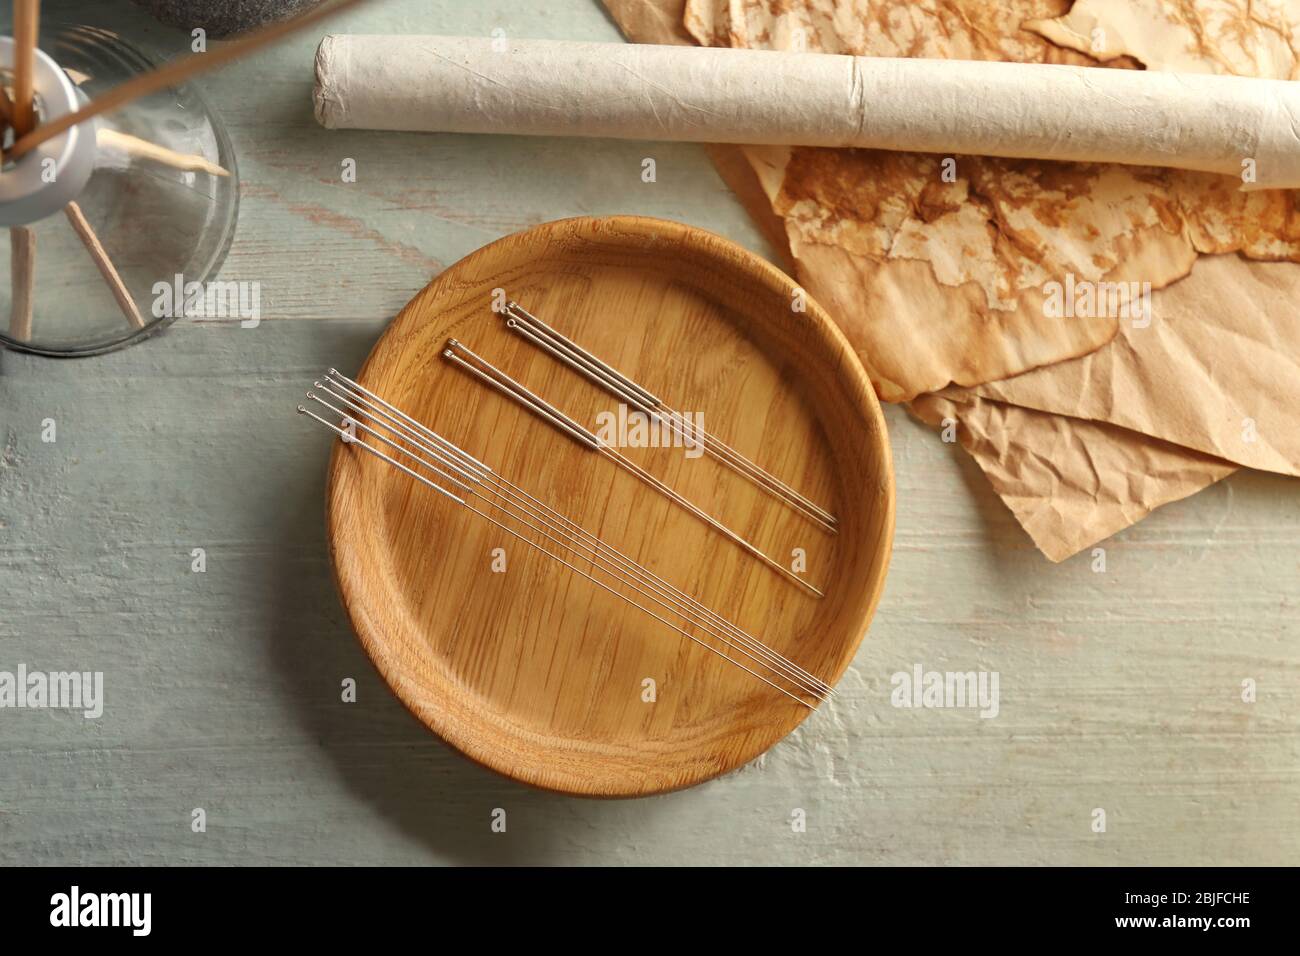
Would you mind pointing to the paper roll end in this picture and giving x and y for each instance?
(326, 94)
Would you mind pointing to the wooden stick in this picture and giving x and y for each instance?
(143, 149)
(104, 264)
(27, 18)
(21, 114)
(22, 268)
(176, 72)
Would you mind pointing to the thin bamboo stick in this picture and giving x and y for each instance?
(104, 264)
(176, 72)
(21, 114)
(22, 269)
(27, 18)
(143, 149)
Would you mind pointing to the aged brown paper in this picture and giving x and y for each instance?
(1216, 370)
(1242, 37)
(950, 304)
(941, 279)
(1069, 482)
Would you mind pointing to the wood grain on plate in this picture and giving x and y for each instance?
(535, 671)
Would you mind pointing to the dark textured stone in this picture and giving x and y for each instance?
(222, 18)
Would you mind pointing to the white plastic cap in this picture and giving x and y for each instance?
(53, 174)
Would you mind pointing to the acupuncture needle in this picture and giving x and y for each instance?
(493, 376)
(688, 432)
(524, 323)
(418, 434)
(399, 423)
(544, 337)
(353, 441)
(762, 654)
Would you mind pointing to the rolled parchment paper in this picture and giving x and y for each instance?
(1234, 125)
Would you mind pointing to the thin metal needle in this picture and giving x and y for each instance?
(762, 655)
(585, 539)
(429, 433)
(364, 407)
(348, 439)
(493, 376)
(392, 444)
(523, 322)
(618, 385)
(418, 477)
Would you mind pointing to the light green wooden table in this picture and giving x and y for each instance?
(1119, 691)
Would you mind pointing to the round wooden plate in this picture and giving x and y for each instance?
(533, 670)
